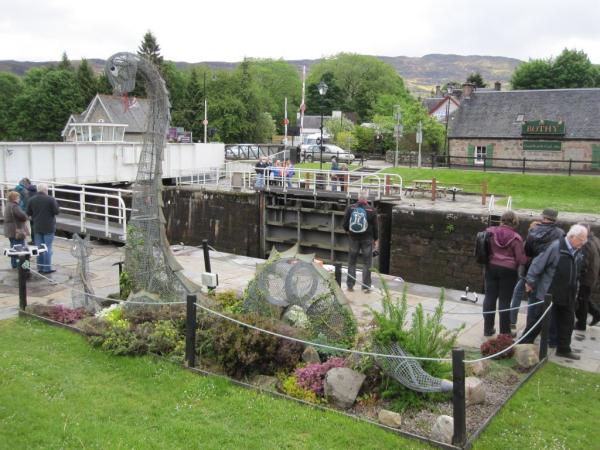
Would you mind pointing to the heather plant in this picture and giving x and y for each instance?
(291, 387)
(312, 376)
(63, 314)
(165, 338)
(496, 345)
(114, 316)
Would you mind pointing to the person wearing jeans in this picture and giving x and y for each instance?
(43, 209)
(506, 254)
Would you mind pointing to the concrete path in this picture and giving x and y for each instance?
(236, 271)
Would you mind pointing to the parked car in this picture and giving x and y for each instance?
(313, 153)
(242, 151)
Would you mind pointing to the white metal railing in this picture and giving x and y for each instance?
(492, 204)
(103, 204)
(244, 177)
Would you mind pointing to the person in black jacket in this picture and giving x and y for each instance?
(43, 210)
(588, 281)
(556, 270)
(360, 222)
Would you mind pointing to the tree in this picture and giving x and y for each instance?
(86, 79)
(65, 63)
(476, 79)
(47, 100)
(571, 69)
(10, 87)
(150, 49)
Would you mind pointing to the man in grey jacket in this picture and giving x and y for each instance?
(556, 271)
(43, 210)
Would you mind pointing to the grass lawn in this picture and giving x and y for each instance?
(577, 193)
(58, 392)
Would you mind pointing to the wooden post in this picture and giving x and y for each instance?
(206, 255)
(23, 272)
(338, 274)
(570, 165)
(433, 189)
(190, 331)
(484, 191)
(524, 161)
(458, 398)
(387, 185)
(545, 328)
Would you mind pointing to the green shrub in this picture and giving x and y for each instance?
(290, 387)
(93, 326)
(153, 312)
(164, 338)
(241, 351)
(120, 341)
(228, 301)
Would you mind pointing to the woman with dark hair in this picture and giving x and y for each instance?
(15, 223)
(506, 254)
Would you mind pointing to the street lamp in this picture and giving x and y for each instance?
(449, 91)
(322, 92)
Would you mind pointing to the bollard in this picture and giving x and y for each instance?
(433, 189)
(23, 274)
(190, 331)
(338, 274)
(458, 398)
(206, 255)
(120, 264)
(545, 328)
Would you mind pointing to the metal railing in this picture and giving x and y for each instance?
(102, 204)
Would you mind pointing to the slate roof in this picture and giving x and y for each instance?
(494, 114)
(431, 102)
(135, 116)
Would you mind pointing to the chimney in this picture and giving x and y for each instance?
(467, 89)
(497, 86)
(438, 91)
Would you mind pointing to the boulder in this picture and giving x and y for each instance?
(310, 355)
(526, 355)
(342, 386)
(479, 368)
(265, 382)
(443, 429)
(389, 418)
(474, 391)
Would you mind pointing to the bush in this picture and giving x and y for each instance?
(153, 312)
(243, 352)
(164, 338)
(497, 344)
(63, 314)
(228, 301)
(312, 376)
(120, 341)
(291, 387)
(93, 326)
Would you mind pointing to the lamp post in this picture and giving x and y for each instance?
(448, 94)
(322, 92)
(397, 131)
(205, 121)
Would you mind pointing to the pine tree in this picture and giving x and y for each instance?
(87, 81)
(150, 49)
(65, 63)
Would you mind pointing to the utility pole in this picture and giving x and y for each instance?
(285, 122)
(397, 131)
(419, 141)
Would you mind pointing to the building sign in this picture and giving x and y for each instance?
(543, 128)
(552, 146)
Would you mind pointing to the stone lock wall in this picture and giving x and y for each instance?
(229, 220)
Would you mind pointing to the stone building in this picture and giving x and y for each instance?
(540, 129)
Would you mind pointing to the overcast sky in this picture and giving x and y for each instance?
(227, 30)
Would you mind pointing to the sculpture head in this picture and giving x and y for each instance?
(120, 70)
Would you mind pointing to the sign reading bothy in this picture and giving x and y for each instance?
(543, 128)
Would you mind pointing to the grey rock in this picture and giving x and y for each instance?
(342, 386)
(474, 391)
(265, 382)
(389, 418)
(443, 429)
(310, 355)
(479, 368)
(526, 355)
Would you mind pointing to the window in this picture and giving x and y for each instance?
(520, 118)
(480, 153)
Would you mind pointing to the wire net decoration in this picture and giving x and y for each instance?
(408, 372)
(82, 295)
(288, 281)
(149, 262)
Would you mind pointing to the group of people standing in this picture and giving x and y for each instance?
(31, 213)
(549, 261)
(275, 173)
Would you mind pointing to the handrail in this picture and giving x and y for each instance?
(99, 206)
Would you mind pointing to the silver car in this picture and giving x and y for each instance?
(313, 153)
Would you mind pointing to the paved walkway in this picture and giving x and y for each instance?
(236, 271)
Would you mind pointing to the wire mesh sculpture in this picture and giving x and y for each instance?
(149, 262)
(409, 372)
(291, 286)
(82, 295)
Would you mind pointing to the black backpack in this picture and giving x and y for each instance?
(482, 247)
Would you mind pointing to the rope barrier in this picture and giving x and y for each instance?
(518, 341)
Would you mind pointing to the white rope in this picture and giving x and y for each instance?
(315, 344)
(518, 341)
(99, 297)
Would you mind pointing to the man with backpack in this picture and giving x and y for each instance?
(360, 222)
